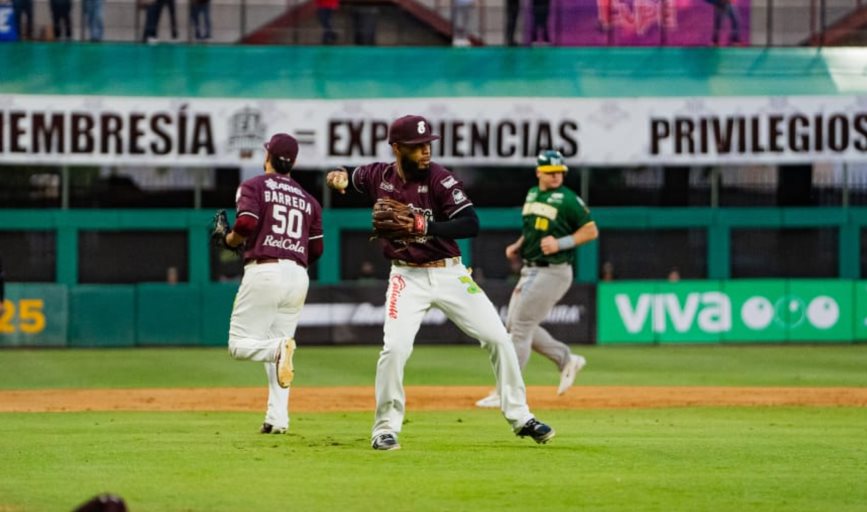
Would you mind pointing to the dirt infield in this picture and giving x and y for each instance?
(317, 399)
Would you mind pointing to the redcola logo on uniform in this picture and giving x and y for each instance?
(284, 243)
(397, 285)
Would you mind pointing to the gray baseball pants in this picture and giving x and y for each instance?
(537, 292)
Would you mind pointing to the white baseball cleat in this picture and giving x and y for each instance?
(569, 372)
(492, 401)
(285, 366)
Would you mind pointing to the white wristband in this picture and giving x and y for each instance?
(565, 243)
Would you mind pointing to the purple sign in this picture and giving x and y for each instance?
(637, 22)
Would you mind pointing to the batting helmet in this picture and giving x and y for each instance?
(550, 160)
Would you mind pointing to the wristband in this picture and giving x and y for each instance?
(419, 224)
(565, 243)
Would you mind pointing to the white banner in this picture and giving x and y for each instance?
(85, 130)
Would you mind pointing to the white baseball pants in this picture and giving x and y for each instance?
(411, 292)
(266, 311)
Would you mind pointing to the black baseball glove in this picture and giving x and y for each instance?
(219, 229)
(394, 220)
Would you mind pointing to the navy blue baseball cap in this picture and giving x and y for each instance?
(283, 146)
(411, 130)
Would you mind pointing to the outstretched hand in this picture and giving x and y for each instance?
(337, 179)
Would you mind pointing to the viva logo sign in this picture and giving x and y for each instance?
(712, 312)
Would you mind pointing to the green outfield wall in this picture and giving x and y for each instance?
(71, 311)
(67, 227)
(634, 312)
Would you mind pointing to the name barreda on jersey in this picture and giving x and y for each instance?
(768, 133)
(459, 138)
(106, 133)
(298, 203)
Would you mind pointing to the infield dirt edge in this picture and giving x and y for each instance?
(360, 398)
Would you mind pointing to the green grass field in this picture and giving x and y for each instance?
(690, 459)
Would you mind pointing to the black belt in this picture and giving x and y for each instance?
(536, 263)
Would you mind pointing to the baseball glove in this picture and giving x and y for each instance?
(394, 220)
(219, 229)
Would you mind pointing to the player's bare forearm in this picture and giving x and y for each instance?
(513, 248)
(586, 233)
(234, 239)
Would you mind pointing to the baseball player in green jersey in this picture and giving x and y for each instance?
(555, 222)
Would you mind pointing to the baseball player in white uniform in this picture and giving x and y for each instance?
(279, 226)
(427, 272)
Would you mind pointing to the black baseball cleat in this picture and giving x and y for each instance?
(540, 432)
(268, 428)
(385, 442)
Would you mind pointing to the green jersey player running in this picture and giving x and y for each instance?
(555, 222)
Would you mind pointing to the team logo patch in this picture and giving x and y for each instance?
(458, 196)
(449, 182)
(388, 187)
(246, 131)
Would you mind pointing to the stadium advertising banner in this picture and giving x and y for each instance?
(641, 23)
(83, 130)
(732, 311)
(354, 315)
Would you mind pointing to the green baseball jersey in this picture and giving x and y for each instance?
(558, 213)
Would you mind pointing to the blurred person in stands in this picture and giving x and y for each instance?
(325, 10)
(367, 272)
(93, 19)
(607, 272)
(541, 10)
(364, 17)
(603, 15)
(200, 15)
(461, 11)
(60, 10)
(673, 275)
(725, 8)
(24, 11)
(513, 7)
(152, 19)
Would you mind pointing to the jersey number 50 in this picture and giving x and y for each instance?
(287, 222)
